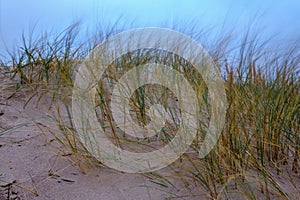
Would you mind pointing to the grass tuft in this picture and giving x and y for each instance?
(259, 140)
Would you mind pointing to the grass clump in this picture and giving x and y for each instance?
(260, 138)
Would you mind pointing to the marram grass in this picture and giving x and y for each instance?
(261, 135)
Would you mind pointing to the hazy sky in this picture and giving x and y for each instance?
(276, 16)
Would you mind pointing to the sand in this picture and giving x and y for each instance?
(31, 166)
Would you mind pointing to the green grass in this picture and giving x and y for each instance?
(261, 134)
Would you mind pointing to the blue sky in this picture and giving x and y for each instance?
(276, 17)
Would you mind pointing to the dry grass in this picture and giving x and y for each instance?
(261, 135)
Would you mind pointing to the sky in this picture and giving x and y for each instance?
(17, 16)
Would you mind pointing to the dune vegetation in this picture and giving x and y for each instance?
(259, 142)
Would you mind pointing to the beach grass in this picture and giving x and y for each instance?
(260, 139)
